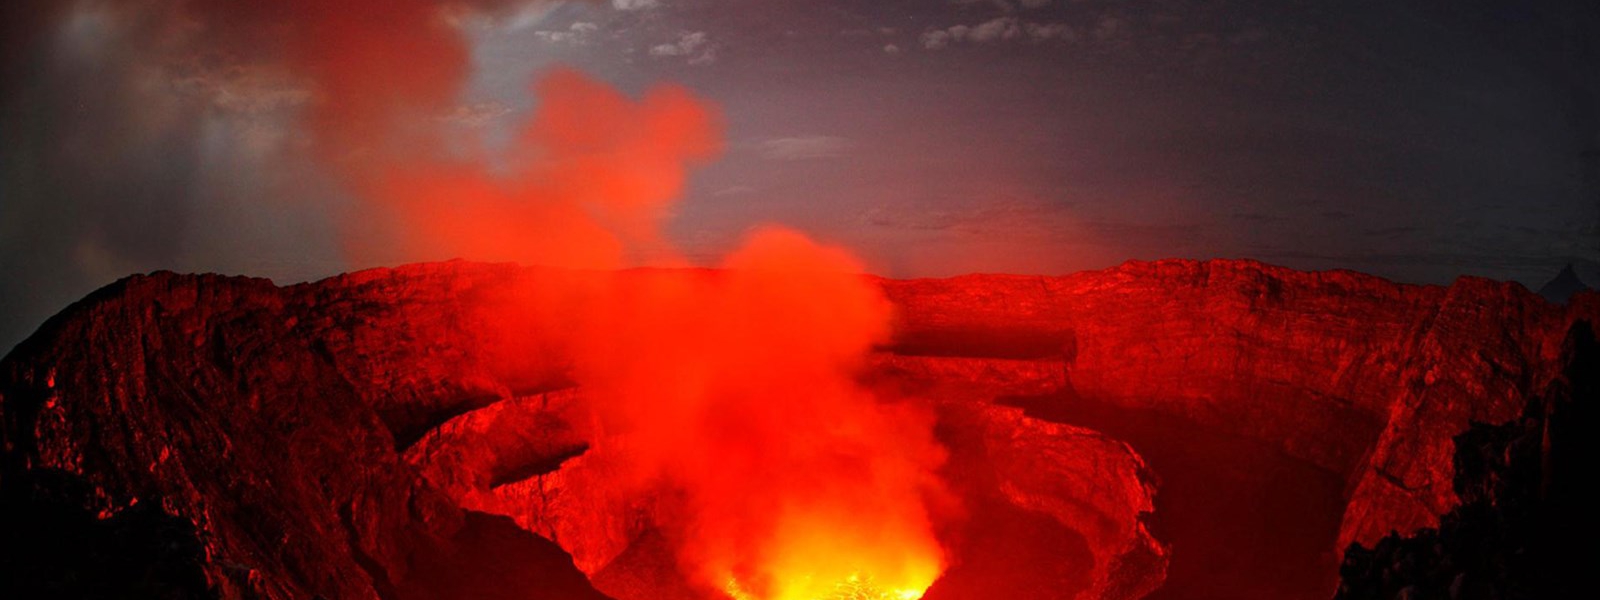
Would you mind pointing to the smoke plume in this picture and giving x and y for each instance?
(584, 184)
(736, 389)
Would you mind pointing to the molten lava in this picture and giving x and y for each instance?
(854, 587)
(736, 394)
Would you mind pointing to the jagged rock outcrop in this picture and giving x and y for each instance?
(194, 394)
(1527, 508)
(350, 437)
(1356, 374)
(1062, 471)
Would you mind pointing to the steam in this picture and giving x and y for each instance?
(735, 389)
(586, 182)
(590, 180)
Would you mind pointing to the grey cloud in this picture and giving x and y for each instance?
(805, 147)
(139, 137)
(1108, 27)
(631, 5)
(996, 30)
(478, 114)
(577, 33)
(1009, 215)
(694, 46)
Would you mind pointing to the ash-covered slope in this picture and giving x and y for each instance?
(310, 435)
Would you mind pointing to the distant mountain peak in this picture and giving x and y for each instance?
(1565, 284)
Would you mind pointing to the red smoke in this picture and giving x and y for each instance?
(584, 184)
(735, 390)
(590, 178)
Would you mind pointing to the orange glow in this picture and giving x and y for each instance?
(736, 391)
(587, 183)
(854, 587)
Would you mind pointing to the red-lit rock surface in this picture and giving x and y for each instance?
(1350, 372)
(198, 394)
(350, 437)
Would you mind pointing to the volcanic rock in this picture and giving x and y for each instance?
(1361, 376)
(1089, 489)
(1527, 505)
(195, 396)
(360, 436)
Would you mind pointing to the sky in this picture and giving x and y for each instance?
(1415, 140)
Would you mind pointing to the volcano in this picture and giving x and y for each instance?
(1170, 429)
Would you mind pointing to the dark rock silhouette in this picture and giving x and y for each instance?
(58, 548)
(1563, 286)
(1527, 505)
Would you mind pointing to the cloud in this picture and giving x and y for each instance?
(1048, 31)
(891, 49)
(1107, 27)
(517, 19)
(994, 215)
(127, 149)
(806, 147)
(1005, 5)
(1003, 28)
(695, 46)
(225, 128)
(734, 190)
(632, 5)
(577, 33)
(246, 90)
(478, 114)
(996, 30)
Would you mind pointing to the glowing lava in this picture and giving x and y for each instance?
(854, 587)
(737, 393)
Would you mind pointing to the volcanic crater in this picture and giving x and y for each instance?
(1170, 429)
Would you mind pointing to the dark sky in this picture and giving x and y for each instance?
(1417, 140)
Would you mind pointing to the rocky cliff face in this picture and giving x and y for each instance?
(197, 395)
(1358, 375)
(1527, 506)
(414, 432)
